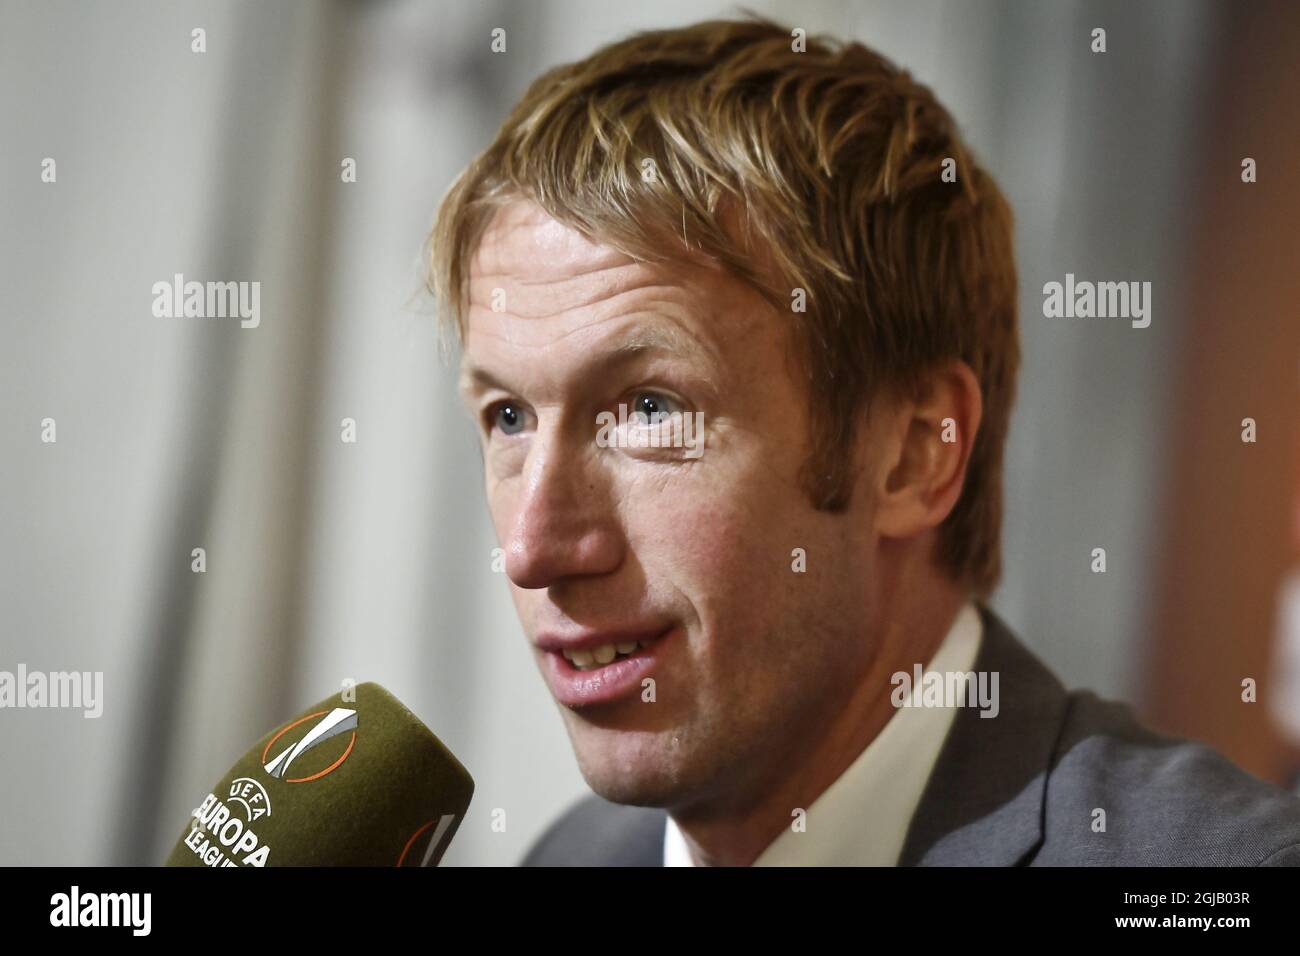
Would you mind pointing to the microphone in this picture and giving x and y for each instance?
(356, 780)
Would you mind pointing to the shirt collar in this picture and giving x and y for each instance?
(862, 818)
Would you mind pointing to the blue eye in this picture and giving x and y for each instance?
(648, 405)
(508, 417)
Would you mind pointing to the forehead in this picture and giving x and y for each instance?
(533, 279)
(521, 239)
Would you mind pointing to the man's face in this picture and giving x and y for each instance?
(685, 557)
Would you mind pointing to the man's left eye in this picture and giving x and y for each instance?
(648, 407)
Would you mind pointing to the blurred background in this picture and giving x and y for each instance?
(372, 560)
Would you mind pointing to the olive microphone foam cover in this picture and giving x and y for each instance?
(356, 780)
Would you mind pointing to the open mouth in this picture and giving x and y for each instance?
(594, 658)
(604, 673)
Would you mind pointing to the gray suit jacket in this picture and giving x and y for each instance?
(1020, 789)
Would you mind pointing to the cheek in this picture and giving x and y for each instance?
(727, 554)
(501, 502)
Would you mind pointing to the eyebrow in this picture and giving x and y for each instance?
(645, 341)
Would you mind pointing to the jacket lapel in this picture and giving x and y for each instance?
(983, 804)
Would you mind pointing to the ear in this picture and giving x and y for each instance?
(926, 447)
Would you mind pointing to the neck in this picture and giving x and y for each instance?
(734, 831)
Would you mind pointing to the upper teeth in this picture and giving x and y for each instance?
(600, 656)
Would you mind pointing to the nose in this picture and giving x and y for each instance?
(564, 525)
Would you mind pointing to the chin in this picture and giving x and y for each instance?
(639, 791)
(629, 768)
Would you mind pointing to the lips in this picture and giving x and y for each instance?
(589, 640)
(581, 672)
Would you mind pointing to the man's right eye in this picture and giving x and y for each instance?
(509, 417)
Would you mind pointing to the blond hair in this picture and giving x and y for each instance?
(818, 169)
